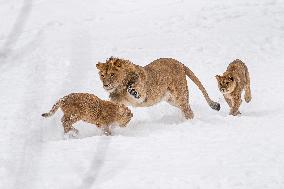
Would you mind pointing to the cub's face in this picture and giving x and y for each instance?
(226, 84)
(111, 74)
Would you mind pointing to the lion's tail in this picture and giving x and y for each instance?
(211, 103)
(53, 109)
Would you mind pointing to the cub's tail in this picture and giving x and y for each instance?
(211, 103)
(53, 109)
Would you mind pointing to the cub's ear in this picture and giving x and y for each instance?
(117, 63)
(231, 78)
(133, 77)
(217, 77)
(100, 66)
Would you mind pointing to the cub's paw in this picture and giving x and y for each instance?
(247, 98)
(98, 125)
(66, 136)
(122, 125)
(107, 133)
(235, 113)
(133, 92)
(73, 133)
(189, 116)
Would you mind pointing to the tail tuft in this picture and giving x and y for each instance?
(44, 115)
(215, 106)
(53, 109)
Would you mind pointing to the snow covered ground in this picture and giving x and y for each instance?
(49, 48)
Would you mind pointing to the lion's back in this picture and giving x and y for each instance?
(163, 74)
(80, 104)
(165, 70)
(237, 67)
(167, 66)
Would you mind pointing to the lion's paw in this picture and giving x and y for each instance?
(133, 92)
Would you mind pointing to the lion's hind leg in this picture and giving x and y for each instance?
(179, 98)
(188, 114)
(67, 123)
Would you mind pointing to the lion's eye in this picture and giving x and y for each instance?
(102, 76)
(112, 74)
(227, 83)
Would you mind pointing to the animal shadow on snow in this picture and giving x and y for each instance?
(138, 127)
(172, 119)
(262, 113)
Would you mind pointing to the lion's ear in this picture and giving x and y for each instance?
(100, 66)
(217, 77)
(117, 63)
(133, 77)
(231, 78)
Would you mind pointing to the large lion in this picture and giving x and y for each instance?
(163, 79)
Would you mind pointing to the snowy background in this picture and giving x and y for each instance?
(49, 48)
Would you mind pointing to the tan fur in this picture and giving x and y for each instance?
(232, 83)
(91, 109)
(163, 79)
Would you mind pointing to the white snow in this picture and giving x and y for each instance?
(49, 48)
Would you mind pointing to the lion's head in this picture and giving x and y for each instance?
(111, 73)
(115, 72)
(226, 83)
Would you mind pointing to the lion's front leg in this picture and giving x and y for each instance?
(137, 91)
(236, 103)
(136, 87)
(132, 91)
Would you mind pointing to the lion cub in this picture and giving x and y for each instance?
(162, 80)
(91, 109)
(231, 84)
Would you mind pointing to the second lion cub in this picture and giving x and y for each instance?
(91, 109)
(234, 80)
